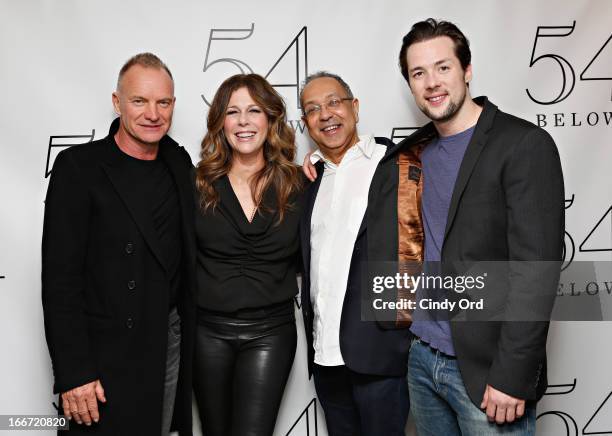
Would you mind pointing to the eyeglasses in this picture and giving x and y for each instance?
(333, 103)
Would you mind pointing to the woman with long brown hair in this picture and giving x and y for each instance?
(248, 193)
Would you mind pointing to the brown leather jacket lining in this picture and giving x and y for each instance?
(409, 222)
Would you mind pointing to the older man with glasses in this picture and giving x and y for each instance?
(358, 366)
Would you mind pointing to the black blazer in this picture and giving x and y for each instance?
(507, 204)
(105, 287)
(367, 347)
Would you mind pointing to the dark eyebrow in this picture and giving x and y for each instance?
(442, 61)
(251, 106)
(437, 63)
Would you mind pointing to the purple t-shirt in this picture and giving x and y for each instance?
(441, 160)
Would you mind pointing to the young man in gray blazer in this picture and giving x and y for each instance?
(475, 184)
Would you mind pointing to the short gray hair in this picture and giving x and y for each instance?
(321, 74)
(146, 60)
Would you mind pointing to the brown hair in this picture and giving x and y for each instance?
(429, 29)
(279, 171)
(147, 60)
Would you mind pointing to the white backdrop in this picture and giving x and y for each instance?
(58, 66)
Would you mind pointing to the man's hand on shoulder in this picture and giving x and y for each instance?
(309, 169)
(81, 403)
(501, 407)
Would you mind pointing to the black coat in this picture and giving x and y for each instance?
(507, 204)
(105, 287)
(367, 347)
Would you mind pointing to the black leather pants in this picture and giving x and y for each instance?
(242, 362)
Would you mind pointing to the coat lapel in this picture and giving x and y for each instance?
(477, 143)
(367, 214)
(306, 218)
(382, 211)
(136, 205)
(176, 161)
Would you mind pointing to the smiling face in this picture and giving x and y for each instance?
(246, 124)
(436, 78)
(144, 101)
(333, 129)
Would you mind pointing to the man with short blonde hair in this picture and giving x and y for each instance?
(117, 262)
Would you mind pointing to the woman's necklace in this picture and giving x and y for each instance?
(250, 217)
(253, 213)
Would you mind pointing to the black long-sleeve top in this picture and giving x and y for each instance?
(242, 264)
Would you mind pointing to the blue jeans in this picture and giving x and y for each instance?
(440, 405)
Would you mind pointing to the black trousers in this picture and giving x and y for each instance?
(361, 404)
(242, 362)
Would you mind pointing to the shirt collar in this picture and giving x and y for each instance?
(366, 145)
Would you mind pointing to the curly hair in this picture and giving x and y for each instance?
(279, 171)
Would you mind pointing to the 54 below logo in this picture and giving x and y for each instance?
(553, 69)
(286, 73)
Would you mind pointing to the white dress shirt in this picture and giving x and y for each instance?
(339, 208)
